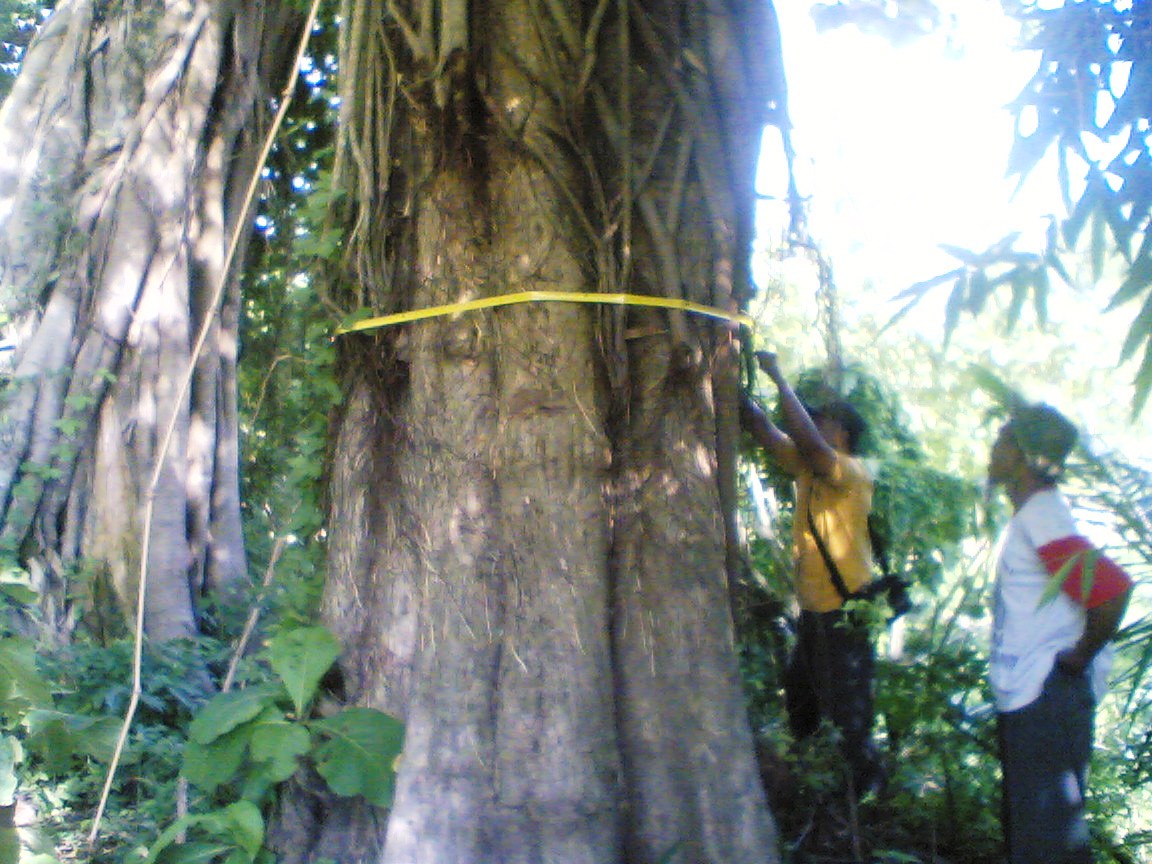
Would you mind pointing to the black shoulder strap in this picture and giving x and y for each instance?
(833, 571)
(879, 547)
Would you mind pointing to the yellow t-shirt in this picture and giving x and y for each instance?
(840, 504)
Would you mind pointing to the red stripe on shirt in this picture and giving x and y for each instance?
(1108, 579)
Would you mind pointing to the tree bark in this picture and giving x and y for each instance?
(528, 555)
(134, 128)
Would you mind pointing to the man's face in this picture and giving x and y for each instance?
(1004, 457)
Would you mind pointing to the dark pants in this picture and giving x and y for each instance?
(1044, 751)
(829, 676)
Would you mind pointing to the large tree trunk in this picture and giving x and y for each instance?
(528, 528)
(130, 135)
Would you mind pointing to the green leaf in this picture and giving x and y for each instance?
(1140, 331)
(955, 305)
(196, 852)
(1040, 291)
(1027, 152)
(225, 711)
(301, 657)
(245, 826)
(1007, 397)
(1085, 207)
(59, 738)
(1020, 281)
(209, 766)
(965, 256)
(359, 755)
(21, 686)
(238, 827)
(278, 745)
(1138, 279)
(1143, 380)
(1087, 559)
(1099, 246)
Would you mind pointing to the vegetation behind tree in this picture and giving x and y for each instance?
(211, 779)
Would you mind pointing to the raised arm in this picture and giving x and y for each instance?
(768, 435)
(812, 450)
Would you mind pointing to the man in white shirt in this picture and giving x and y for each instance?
(1050, 657)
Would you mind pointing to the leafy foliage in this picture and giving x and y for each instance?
(1088, 106)
(934, 716)
(18, 22)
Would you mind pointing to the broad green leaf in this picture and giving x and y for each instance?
(21, 686)
(195, 852)
(58, 738)
(278, 744)
(160, 849)
(225, 711)
(359, 753)
(301, 657)
(245, 826)
(237, 827)
(208, 766)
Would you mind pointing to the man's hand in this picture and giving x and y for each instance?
(769, 364)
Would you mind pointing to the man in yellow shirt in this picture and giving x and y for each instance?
(830, 671)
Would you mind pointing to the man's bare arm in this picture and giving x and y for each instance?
(768, 435)
(812, 450)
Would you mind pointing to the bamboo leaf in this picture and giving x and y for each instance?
(1138, 279)
(1084, 208)
(1028, 151)
(965, 256)
(919, 289)
(955, 306)
(1040, 291)
(1020, 284)
(1143, 380)
(1140, 331)
(1099, 247)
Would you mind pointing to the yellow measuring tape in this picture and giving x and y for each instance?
(545, 296)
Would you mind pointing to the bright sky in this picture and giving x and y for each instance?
(903, 148)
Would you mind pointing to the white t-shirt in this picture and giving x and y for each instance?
(1029, 631)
